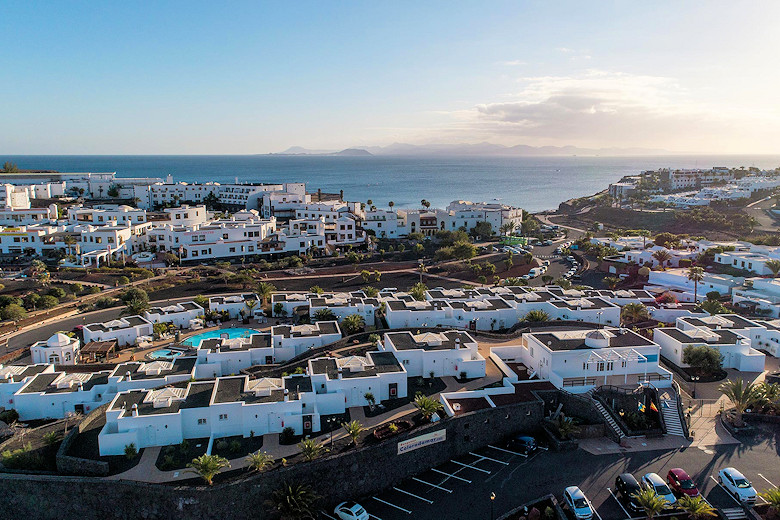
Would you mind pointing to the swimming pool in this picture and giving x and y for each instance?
(165, 353)
(233, 332)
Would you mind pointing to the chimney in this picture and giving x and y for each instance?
(128, 376)
(135, 410)
(81, 386)
(341, 373)
(457, 343)
(286, 395)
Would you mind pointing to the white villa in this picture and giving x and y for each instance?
(442, 354)
(60, 349)
(125, 331)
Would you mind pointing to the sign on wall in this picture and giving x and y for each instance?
(422, 441)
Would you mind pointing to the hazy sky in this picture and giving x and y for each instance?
(252, 77)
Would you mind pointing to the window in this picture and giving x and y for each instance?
(201, 421)
(223, 417)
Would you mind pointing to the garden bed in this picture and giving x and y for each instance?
(393, 428)
(236, 446)
(413, 386)
(85, 446)
(179, 455)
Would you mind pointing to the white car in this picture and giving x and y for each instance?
(736, 484)
(350, 511)
(657, 484)
(578, 503)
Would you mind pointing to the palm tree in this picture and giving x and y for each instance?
(250, 306)
(774, 266)
(611, 281)
(566, 427)
(70, 241)
(353, 429)
(652, 503)
(696, 507)
(427, 406)
(370, 399)
(353, 324)
(742, 396)
(294, 501)
(418, 291)
(536, 315)
(311, 449)
(696, 275)
(265, 290)
(390, 205)
(135, 307)
(634, 312)
(663, 256)
(770, 394)
(644, 234)
(316, 289)
(324, 315)
(259, 461)
(772, 497)
(423, 269)
(207, 466)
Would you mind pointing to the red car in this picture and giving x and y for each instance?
(680, 483)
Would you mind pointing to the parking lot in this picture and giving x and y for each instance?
(461, 488)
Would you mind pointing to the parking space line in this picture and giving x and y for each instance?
(508, 451)
(393, 505)
(628, 515)
(432, 485)
(483, 457)
(412, 495)
(469, 466)
(372, 516)
(726, 490)
(594, 510)
(451, 475)
(767, 480)
(327, 515)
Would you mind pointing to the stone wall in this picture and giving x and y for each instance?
(69, 465)
(367, 470)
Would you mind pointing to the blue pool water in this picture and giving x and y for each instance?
(233, 332)
(165, 353)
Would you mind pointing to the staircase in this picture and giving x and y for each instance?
(734, 513)
(610, 421)
(671, 417)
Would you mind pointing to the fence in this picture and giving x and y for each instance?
(702, 407)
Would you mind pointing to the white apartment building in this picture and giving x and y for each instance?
(344, 304)
(467, 214)
(677, 280)
(736, 349)
(28, 216)
(695, 178)
(182, 315)
(226, 356)
(288, 302)
(377, 373)
(579, 360)
(384, 223)
(125, 331)
(123, 215)
(293, 340)
(237, 305)
(767, 337)
(451, 353)
(759, 294)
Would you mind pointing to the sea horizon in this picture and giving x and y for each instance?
(534, 183)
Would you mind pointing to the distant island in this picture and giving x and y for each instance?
(484, 148)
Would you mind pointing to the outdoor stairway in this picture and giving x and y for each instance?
(734, 513)
(671, 417)
(610, 421)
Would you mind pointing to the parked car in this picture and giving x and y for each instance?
(626, 486)
(657, 484)
(578, 503)
(736, 484)
(350, 511)
(524, 444)
(681, 483)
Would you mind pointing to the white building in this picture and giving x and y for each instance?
(677, 279)
(125, 331)
(451, 353)
(293, 340)
(122, 215)
(759, 295)
(344, 304)
(60, 349)
(736, 349)
(237, 305)
(228, 356)
(181, 315)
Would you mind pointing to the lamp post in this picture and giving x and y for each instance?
(694, 379)
(492, 501)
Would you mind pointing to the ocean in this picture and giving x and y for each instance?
(532, 183)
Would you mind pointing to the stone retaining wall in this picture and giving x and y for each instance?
(69, 465)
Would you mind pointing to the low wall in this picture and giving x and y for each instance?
(69, 465)
(367, 470)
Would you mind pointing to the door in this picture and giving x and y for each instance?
(393, 388)
(307, 425)
(79, 408)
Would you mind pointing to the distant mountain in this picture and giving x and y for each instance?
(483, 148)
(298, 150)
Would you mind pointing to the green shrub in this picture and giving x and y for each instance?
(287, 436)
(9, 416)
(131, 451)
(235, 446)
(21, 458)
(168, 463)
(221, 445)
(51, 438)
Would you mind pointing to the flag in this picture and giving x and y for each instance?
(641, 407)
(653, 407)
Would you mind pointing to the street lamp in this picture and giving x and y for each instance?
(694, 379)
(492, 501)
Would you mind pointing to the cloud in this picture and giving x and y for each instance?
(512, 63)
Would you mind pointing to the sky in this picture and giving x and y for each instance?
(204, 77)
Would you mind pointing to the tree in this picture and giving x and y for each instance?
(425, 204)
(696, 507)
(324, 315)
(666, 240)
(482, 230)
(390, 205)
(703, 358)
(369, 291)
(370, 399)
(353, 429)
(9, 167)
(13, 312)
(250, 306)
(696, 275)
(566, 427)
(40, 273)
(134, 293)
(265, 290)
(352, 324)
(417, 291)
(463, 250)
(774, 266)
(134, 307)
(201, 300)
(644, 234)
(427, 406)
(311, 449)
(294, 501)
(713, 307)
(48, 301)
(279, 309)
(316, 289)
(207, 466)
(536, 315)
(651, 502)
(365, 275)
(259, 461)
(611, 281)
(31, 300)
(225, 273)
(663, 256)
(772, 497)
(742, 396)
(634, 313)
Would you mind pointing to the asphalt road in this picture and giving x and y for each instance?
(465, 493)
